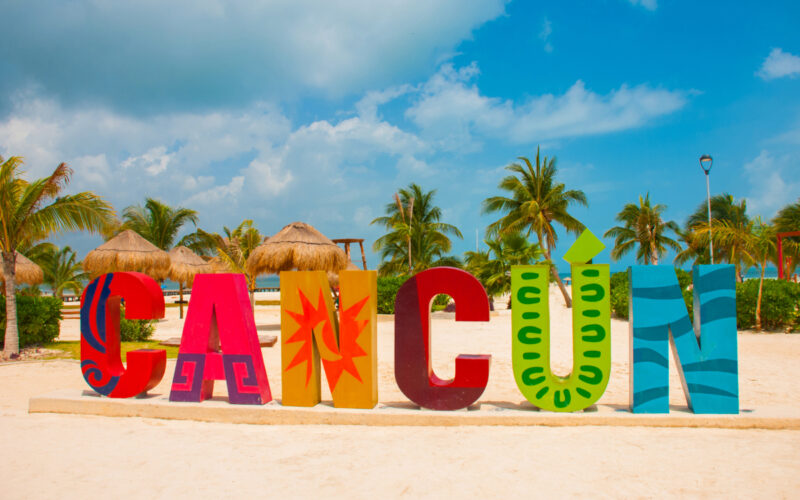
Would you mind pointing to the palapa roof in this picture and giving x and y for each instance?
(128, 251)
(25, 271)
(297, 246)
(184, 264)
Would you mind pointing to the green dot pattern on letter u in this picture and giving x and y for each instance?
(591, 337)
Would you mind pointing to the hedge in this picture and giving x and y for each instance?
(387, 292)
(780, 301)
(620, 294)
(37, 319)
(136, 330)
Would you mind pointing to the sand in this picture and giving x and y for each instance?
(70, 456)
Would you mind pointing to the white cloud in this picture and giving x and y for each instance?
(773, 182)
(544, 35)
(453, 112)
(154, 161)
(218, 194)
(779, 64)
(647, 4)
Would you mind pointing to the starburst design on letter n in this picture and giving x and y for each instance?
(307, 321)
(337, 356)
(350, 330)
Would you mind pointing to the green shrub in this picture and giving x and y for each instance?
(619, 294)
(440, 302)
(135, 330)
(620, 298)
(387, 291)
(780, 301)
(37, 319)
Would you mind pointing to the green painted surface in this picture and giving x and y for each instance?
(591, 339)
(585, 248)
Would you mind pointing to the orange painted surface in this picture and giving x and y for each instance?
(347, 345)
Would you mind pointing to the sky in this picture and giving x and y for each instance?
(319, 111)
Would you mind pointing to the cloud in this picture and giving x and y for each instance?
(773, 182)
(779, 64)
(544, 35)
(229, 165)
(154, 161)
(647, 4)
(218, 194)
(453, 112)
(150, 55)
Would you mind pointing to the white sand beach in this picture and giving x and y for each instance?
(71, 456)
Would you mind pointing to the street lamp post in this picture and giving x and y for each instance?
(705, 164)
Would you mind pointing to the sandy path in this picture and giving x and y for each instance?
(45, 456)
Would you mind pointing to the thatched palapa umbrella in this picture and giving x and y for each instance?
(128, 251)
(25, 271)
(184, 264)
(297, 246)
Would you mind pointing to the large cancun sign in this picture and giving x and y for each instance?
(220, 341)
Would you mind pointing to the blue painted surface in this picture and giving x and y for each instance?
(706, 352)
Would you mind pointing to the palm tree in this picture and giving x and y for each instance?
(32, 211)
(754, 243)
(695, 250)
(762, 249)
(788, 219)
(157, 223)
(234, 248)
(536, 201)
(416, 240)
(62, 271)
(643, 226)
(723, 208)
(729, 233)
(493, 266)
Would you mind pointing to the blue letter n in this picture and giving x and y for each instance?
(706, 354)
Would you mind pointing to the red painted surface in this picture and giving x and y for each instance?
(413, 370)
(220, 342)
(781, 264)
(101, 364)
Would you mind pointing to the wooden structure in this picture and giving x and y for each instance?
(347, 241)
(781, 266)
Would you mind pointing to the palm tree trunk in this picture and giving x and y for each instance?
(11, 347)
(180, 299)
(653, 253)
(567, 299)
(758, 300)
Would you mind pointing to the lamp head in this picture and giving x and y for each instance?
(705, 163)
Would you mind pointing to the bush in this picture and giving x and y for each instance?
(37, 319)
(620, 299)
(387, 291)
(780, 301)
(136, 330)
(619, 295)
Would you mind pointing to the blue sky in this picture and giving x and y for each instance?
(284, 111)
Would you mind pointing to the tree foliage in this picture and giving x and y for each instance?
(30, 212)
(643, 230)
(534, 204)
(416, 238)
